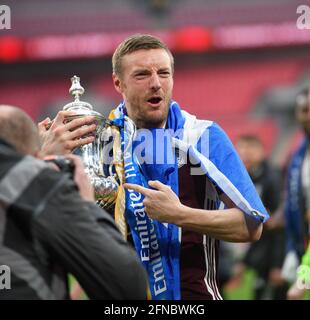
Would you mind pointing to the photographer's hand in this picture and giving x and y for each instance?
(81, 179)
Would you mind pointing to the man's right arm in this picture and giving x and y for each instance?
(84, 239)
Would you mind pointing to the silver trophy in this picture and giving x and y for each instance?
(93, 154)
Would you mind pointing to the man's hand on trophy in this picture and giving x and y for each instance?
(60, 137)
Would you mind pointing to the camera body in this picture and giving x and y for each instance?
(63, 164)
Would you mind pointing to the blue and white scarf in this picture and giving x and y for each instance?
(157, 244)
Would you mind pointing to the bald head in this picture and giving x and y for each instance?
(18, 129)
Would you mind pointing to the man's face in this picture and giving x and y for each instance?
(251, 153)
(303, 113)
(146, 85)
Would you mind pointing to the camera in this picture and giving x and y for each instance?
(63, 164)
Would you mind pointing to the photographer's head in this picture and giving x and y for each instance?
(18, 129)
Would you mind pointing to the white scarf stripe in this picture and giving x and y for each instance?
(207, 275)
(213, 263)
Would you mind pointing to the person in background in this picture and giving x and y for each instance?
(297, 205)
(265, 256)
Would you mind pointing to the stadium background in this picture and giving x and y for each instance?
(238, 62)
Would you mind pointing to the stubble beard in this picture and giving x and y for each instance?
(149, 121)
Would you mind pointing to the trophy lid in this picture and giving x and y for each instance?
(77, 105)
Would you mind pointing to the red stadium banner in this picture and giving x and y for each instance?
(188, 39)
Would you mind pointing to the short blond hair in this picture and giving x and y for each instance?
(134, 43)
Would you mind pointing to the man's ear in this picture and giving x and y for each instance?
(117, 83)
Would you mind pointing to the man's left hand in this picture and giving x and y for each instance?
(161, 204)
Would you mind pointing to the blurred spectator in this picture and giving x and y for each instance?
(266, 255)
(49, 226)
(297, 209)
(226, 264)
